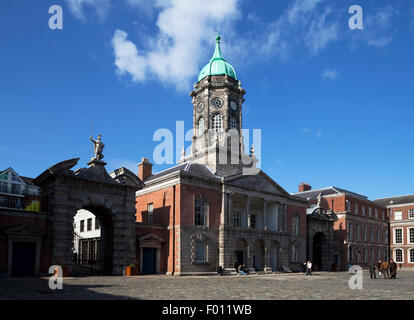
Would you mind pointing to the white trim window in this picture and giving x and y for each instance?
(411, 214)
(348, 205)
(398, 235)
(410, 235)
(200, 207)
(201, 126)
(398, 215)
(356, 208)
(150, 210)
(383, 214)
(217, 124)
(399, 255)
(370, 211)
(376, 213)
(411, 255)
(200, 251)
(295, 225)
(363, 210)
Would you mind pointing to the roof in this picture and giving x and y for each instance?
(217, 65)
(398, 200)
(191, 167)
(332, 190)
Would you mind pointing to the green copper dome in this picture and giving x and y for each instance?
(217, 65)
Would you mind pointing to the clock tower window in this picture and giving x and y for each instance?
(200, 126)
(217, 122)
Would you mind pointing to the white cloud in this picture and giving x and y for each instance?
(380, 27)
(101, 8)
(306, 130)
(176, 52)
(330, 74)
(306, 23)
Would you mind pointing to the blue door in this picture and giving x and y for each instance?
(149, 259)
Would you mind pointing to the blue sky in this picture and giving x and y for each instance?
(335, 105)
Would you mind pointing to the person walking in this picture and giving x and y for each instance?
(308, 268)
(393, 269)
(372, 270)
(385, 268)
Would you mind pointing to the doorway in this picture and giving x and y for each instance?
(23, 260)
(149, 260)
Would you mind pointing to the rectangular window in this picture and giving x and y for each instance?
(357, 232)
(385, 236)
(4, 187)
(350, 254)
(356, 208)
(150, 210)
(378, 236)
(200, 212)
(15, 203)
(411, 255)
(365, 255)
(383, 215)
(376, 213)
(370, 211)
(379, 253)
(398, 236)
(411, 214)
(97, 224)
(89, 224)
(295, 225)
(371, 236)
(398, 255)
(237, 219)
(200, 251)
(3, 201)
(348, 205)
(398, 215)
(253, 221)
(372, 255)
(410, 235)
(364, 233)
(16, 188)
(350, 231)
(82, 225)
(363, 210)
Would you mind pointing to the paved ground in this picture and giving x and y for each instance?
(321, 285)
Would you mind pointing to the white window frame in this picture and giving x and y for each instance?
(409, 255)
(395, 255)
(399, 213)
(233, 123)
(370, 211)
(217, 122)
(395, 235)
(408, 235)
(410, 213)
(201, 126)
(363, 210)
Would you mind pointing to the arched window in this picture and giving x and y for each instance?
(200, 126)
(233, 123)
(217, 124)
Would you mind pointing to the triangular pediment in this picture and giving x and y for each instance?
(23, 230)
(257, 182)
(151, 237)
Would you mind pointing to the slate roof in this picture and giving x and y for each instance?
(396, 200)
(313, 194)
(191, 167)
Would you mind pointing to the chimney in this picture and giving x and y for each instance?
(144, 169)
(304, 187)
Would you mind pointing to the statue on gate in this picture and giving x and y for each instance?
(98, 147)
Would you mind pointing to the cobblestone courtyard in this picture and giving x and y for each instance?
(321, 285)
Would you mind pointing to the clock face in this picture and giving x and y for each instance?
(233, 105)
(200, 107)
(217, 102)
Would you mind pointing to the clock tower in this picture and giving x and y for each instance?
(217, 101)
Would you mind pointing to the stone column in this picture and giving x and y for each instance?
(230, 208)
(248, 212)
(223, 227)
(265, 214)
(267, 266)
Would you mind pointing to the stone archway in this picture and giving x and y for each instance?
(241, 252)
(259, 255)
(65, 191)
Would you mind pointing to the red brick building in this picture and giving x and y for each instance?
(401, 212)
(361, 233)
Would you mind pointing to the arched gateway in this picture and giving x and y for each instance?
(111, 200)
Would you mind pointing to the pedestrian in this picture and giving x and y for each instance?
(393, 269)
(372, 270)
(385, 268)
(379, 264)
(236, 266)
(308, 268)
(400, 266)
